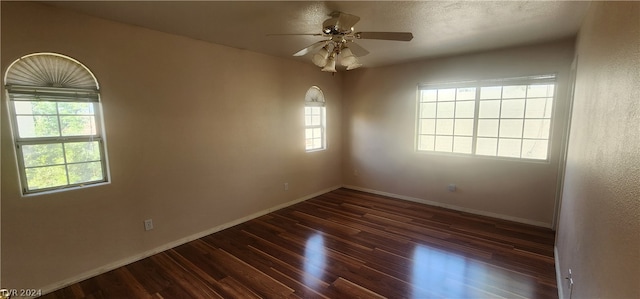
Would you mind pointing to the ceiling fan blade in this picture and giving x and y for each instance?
(398, 36)
(285, 34)
(311, 48)
(357, 49)
(346, 21)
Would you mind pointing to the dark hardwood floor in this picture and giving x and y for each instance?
(345, 244)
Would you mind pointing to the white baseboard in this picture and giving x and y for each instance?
(123, 262)
(558, 273)
(453, 207)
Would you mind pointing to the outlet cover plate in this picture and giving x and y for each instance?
(148, 224)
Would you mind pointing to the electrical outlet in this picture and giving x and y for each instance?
(452, 187)
(570, 281)
(286, 186)
(148, 224)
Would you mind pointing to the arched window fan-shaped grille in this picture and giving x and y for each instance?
(50, 70)
(314, 96)
(57, 123)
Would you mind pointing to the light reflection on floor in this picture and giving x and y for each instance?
(431, 270)
(315, 259)
(435, 273)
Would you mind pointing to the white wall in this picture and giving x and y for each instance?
(198, 135)
(599, 231)
(380, 125)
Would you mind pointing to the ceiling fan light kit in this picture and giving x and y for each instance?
(326, 57)
(339, 31)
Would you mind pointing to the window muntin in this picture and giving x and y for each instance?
(315, 120)
(510, 118)
(56, 126)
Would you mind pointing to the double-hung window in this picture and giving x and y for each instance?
(57, 128)
(315, 120)
(501, 118)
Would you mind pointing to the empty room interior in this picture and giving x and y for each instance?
(299, 149)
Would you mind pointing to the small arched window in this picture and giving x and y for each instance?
(54, 102)
(315, 120)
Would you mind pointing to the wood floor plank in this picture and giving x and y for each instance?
(250, 275)
(345, 244)
(353, 290)
(184, 279)
(150, 275)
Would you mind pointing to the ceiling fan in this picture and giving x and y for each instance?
(339, 42)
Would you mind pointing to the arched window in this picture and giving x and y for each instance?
(54, 103)
(315, 120)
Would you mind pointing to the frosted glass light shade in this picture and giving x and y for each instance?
(347, 58)
(320, 58)
(354, 66)
(330, 66)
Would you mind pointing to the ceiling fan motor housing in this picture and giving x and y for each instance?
(332, 26)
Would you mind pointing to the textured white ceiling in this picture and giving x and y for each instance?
(439, 27)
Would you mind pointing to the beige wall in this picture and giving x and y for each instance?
(599, 231)
(198, 135)
(379, 136)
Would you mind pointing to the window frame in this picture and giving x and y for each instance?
(18, 94)
(314, 98)
(56, 91)
(321, 126)
(546, 79)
